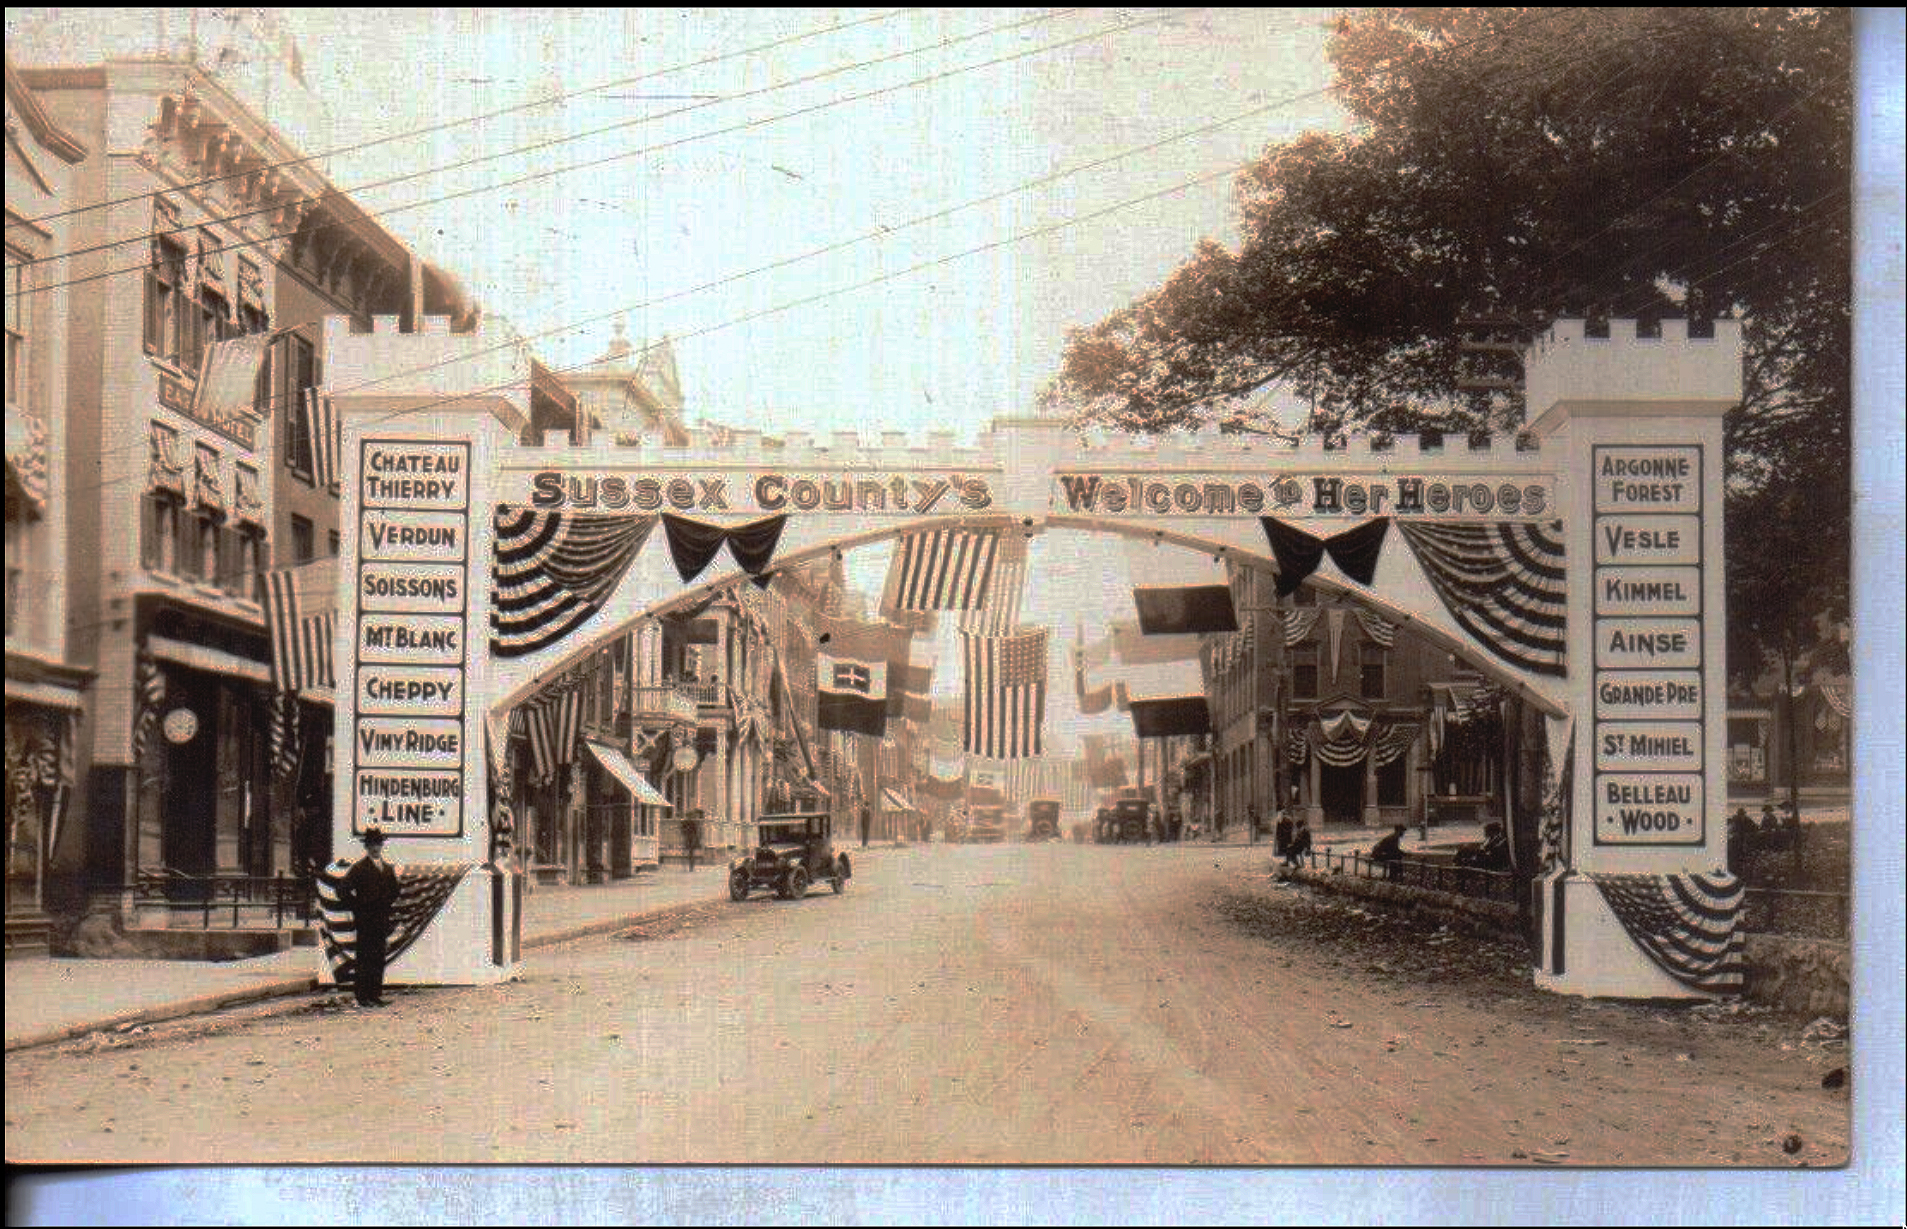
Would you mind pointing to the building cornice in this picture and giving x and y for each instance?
(53, 138)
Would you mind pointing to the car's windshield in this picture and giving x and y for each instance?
(782, 834)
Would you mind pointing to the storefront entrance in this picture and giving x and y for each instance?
(1341, 793)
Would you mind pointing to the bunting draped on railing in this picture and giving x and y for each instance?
(1299, 621)
(1298, 553)
(208, 491)
(1503, 583)
(553, 570)
(1688, 924)
(165, 468)
(27, 456)
(421, 893)
(1342, 740)
(248, 504)
(1394, 742)
(1380, 630)
(692, 544)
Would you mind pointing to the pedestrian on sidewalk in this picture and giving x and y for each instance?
(1300, 847)
(692, 835)
(1281, 833)
(368, 891)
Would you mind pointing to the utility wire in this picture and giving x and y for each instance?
(632, 153)
(535, 146)
(551, 100)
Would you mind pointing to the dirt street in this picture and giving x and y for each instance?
(1056, 1003)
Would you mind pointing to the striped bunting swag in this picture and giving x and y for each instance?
(1299, 621)
(421, 893)
(1687, 923)
(942, 569)
(152, 696)
(1297, 747)
(1503, 583)
(1380, 630)
(1394, 742)
(553, 570)
(1006, 694)
(553, 724)
(301, 609)
(327, 437)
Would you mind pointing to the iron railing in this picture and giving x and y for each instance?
(1419, 873)
(1796, 913)
(286, 899)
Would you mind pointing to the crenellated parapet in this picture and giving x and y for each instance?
(1566, 370)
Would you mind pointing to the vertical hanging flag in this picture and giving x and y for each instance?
(227, 390)
(941, 569)
(999, 611)
(301, 610)
(851, 694)
(1006, 693)
(321, 422)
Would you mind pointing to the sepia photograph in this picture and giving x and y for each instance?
(1090, 597)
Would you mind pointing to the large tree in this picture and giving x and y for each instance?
(1520, 165)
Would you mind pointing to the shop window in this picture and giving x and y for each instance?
(1304, 672)
(241, 558)
(1373, 671)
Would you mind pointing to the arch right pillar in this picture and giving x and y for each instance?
(1635, 425)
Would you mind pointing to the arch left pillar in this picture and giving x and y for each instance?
(412, 652)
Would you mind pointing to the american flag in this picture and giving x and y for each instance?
(554, 722)
(321, 420)
(301, 608)
(1687, 923)
(999, 615)
(941, 569)
(1006, 693)
(228, 379)
(421, 893)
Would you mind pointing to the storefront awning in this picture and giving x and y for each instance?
(43, 694)
(623, 770)
(897, 801)
(216, 661)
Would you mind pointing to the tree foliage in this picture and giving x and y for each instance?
(1527, 164)
(1512, 163)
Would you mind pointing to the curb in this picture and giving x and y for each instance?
(287, 987)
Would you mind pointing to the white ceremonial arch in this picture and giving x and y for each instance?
(1606, 516)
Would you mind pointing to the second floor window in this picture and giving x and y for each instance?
(160, 532)
(298, 372)
(167, 320)
(1373, 671)
(1304, 672)
(304, 540)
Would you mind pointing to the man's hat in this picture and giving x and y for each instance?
(372, 836)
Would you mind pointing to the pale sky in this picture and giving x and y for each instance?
(946, 348)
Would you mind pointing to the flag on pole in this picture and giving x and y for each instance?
(1006, 693)
(941, 569)
(227, 391)
(851, 694)
(301, 609)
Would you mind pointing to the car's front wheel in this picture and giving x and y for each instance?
(797, 883)
(738, 885)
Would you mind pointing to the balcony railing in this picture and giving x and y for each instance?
(705, 693)
(238, 901)
(668, 700)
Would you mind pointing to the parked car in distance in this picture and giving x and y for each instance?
(986, 825)
(1042, 820)
(792, 852)
(1126, 822)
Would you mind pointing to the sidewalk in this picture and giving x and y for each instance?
(53, 999)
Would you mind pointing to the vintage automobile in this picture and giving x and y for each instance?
(1126, 822)
(1042, 820)
(792, 851)
(986, 825)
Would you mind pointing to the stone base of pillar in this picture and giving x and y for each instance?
(1586, 951)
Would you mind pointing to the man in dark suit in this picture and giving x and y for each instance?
(1389, 852)
(369, 891)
